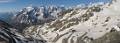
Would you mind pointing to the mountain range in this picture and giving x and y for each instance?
(95, 23)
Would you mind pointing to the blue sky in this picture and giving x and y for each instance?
(15, 5)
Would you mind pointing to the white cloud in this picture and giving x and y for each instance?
(5, 1)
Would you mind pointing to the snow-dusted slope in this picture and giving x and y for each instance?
(78, 25)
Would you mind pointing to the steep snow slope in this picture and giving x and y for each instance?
(79, 25)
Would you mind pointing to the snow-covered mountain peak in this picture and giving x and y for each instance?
(29, 8)
(37, 15)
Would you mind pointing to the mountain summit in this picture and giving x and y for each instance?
(33, 15)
